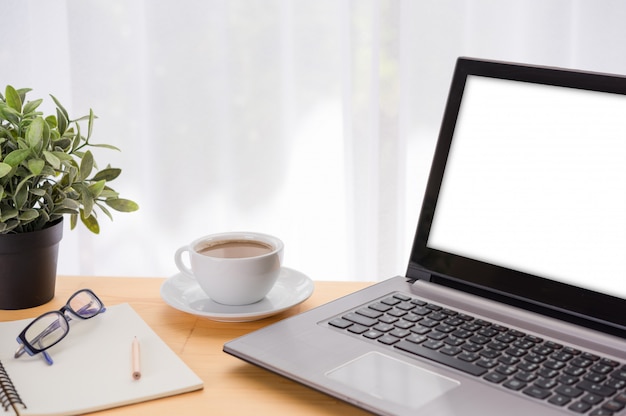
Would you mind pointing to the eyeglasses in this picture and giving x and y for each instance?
(51, 327)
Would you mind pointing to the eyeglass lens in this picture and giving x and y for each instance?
(85, 305)
(47, 330)
(51, 327)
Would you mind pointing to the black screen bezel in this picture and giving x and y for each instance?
(586, 307)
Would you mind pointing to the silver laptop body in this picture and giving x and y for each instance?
(514, 300)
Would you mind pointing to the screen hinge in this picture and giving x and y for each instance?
(414, 274)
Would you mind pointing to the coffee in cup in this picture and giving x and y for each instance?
(232, 249)
(234, 268)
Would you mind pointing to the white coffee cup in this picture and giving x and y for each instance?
(233, 268)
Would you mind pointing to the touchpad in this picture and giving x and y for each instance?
(392, 380)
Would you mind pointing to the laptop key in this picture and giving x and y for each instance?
(547, 373)
(340, 323)
(433, 344)
(609, 362)
(386, 319)
(405, 306)
(434, 355)
(619, 374)
(391, 301)
(525, 376)
(449, 350)
(592, 399)
(381, 307)
(495, 377)
(421, 330)
(507, 370)
(537, 392)
(569, 391)
(416, 339)
(436, 335)
(554, 364)
(384, 327)
(567, 380)
(388, 339)
(468, 356)
(581, 362)
(411, 317)
(559, 400)
(403, 324)
(373, 334)
(601, 412)
(370, 313)
(487, 363)
(360, 319)
(462, 333)
(601, 368)
(574, 371)
(594, 377)
(553, 345)
(613, 406)
(615, 383)
(561, 356)
(429, 323)
(590, 356)
(358, 329)
(421, 310)
(399, 333)
(546, 383)
(596, 388)
(579, 407)
(514, 384)
(570, 350)
(455, 342)
(397, 313)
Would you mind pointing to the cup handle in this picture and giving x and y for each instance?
(178, 258)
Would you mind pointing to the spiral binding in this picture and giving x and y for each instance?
(8, 394)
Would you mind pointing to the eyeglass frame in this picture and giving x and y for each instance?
(27, 347)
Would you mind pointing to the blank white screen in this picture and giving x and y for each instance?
(536, 182)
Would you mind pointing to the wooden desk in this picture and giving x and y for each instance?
(231, 386)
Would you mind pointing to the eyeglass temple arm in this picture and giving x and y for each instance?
(89, 310)
(21, 350)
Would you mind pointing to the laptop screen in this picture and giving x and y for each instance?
(527, 195)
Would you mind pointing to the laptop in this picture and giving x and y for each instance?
(514, 299)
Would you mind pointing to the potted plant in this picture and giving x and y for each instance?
(47, 171)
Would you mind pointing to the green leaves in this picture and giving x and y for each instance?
(48, 169)
(61, 122)
(5, 168)
(86, 165)
(13, 99)
(107, 174)
(36, 166)
(34, 133)
(16, 157)
(53, 159)
(31, 106)
(122, 205)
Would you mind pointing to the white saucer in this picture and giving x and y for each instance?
(183, 293)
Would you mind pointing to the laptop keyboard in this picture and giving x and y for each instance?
(563, 376)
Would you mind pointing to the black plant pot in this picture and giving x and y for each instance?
(28, 267)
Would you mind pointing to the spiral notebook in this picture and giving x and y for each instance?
(92, 367)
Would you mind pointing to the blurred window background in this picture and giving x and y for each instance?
(313, 120)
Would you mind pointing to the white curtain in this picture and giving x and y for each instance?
(314, 120)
